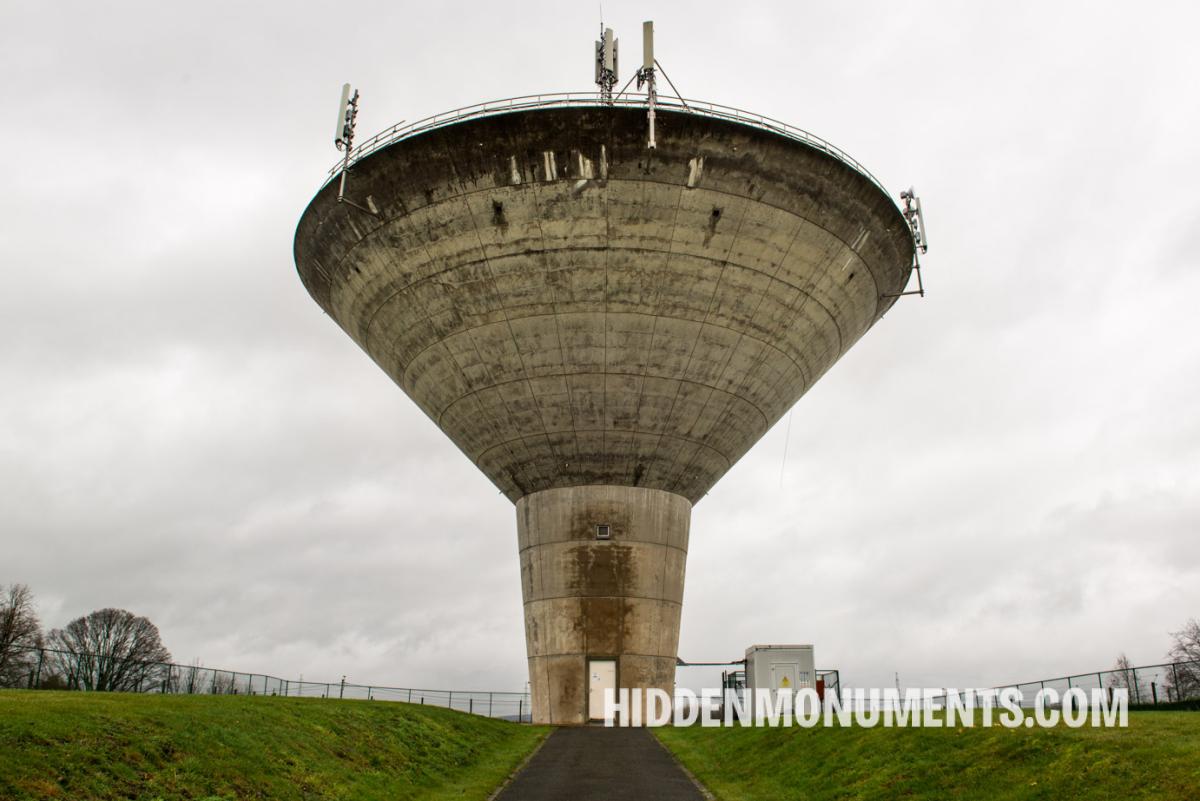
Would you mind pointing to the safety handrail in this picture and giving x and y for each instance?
(704, 108)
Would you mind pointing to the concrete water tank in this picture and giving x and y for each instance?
(603, 330)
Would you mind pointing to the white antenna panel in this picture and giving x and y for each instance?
(341, 123)
(648, 44)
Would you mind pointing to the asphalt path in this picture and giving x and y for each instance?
(593, 763)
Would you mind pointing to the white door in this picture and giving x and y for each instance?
(784, 676)
(602, 675)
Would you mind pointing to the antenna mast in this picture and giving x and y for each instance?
(915, 218)
(344, 138)
(606, 63)
(344, 141)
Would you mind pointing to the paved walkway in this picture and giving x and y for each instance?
(599, 764)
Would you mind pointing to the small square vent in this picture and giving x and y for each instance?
(603, 531)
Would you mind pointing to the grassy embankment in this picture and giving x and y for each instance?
(1156, 757)
(85, 746)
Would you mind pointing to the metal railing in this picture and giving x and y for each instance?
(46, 668)
(703, 108)
(828, 681)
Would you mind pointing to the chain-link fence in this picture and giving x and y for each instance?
(1148, 685)
(1173, 684)
(47, 668)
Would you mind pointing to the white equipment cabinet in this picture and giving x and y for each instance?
(776, 667)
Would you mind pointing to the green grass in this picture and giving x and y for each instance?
(84, 746)
(1156, 757)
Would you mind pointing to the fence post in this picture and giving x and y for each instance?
(1154, 691)
(471, 705)
(342, 689)
(327, 689)
(450, 700)
(489, 705)
(1175, 673)
(1136, 690)
(520, 710)
(410, 696)
(41, 656)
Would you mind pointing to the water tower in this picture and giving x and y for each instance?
(604, 300)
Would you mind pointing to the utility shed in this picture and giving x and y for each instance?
(776, 667)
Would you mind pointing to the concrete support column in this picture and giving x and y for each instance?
(592, 598)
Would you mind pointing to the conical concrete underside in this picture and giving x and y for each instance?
(572, 308)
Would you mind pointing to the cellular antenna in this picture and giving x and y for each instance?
(345, 121)
(344, 140)
(648, 44)
(646, 76)
(606, 63)
(915, 218)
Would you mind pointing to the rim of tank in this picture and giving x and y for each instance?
(404, 130)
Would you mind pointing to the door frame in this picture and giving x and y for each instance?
(587, 682)
(793, 667)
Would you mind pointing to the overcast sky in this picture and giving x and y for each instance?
(999, 482)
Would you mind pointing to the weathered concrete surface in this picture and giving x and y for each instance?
(587, 598)
(573, 309)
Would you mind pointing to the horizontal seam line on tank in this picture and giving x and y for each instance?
(574, 654)
(768, 276)
(814, 223)
(634, 597)
(565, 542)
(564, 483)
(621, 487)
(545, 435)
(804, 373)
(446, 410)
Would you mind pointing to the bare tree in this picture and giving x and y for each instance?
(20, 635)
(1121, 676)
(1183, 678)
(223, 684)
(111, 649)
(191, 679)
(1124, 677)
